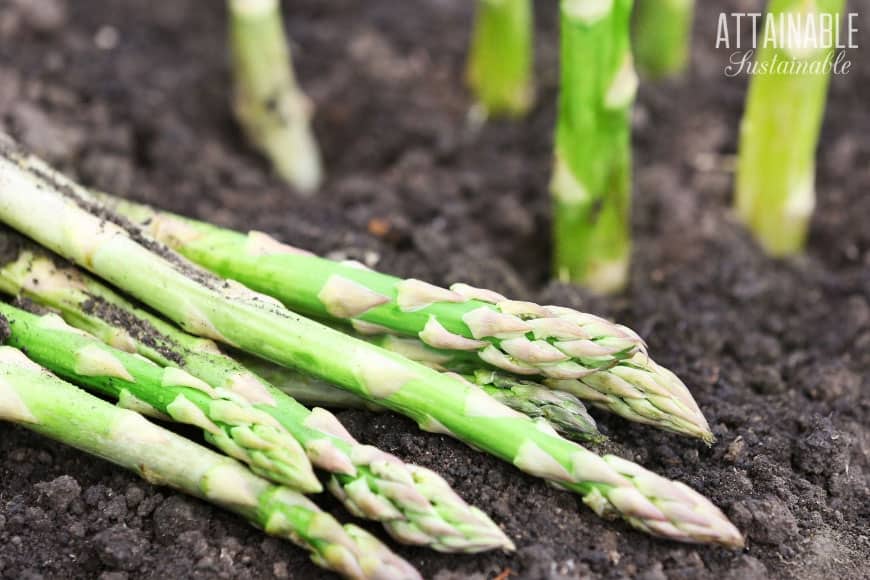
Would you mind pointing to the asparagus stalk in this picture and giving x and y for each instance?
(302, 281)
(61, 215)
(636, 389)
(499, 69)
(270, 107)
(776, 169)
(560, 411)
(591, 183)
(39, 401)
(565, 343)
(415, 505)
(229, 422)
(662, 36)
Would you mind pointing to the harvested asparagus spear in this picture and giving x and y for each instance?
(591, 183)
(39, 401)
(304, 282)
(636, 389)
(61, 215)
(662, 36)
(500, 59)
(269, 105)
(415, 505)
(228, 421)
(565, 343)
(559, 410)
(779, 134)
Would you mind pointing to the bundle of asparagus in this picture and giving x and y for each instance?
(64, 217)
(232, 405)
(579, 353)
(39, 401)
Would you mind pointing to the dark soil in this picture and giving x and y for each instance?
(131, 97)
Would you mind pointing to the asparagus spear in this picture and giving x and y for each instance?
(776, 169)
(565, 343)
(301, 281)
(61, 215)
(229, 422)
(558, 410)
(591, 183)
(662, 36)
(415, 505)
(269, 106)
(39, 401)
(636, 389)
(500, 59)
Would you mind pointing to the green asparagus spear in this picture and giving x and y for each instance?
(301, 281)
(558, 410)
(591, 183)
(519, 337)
(415, 505)
(663, 36)
(776, 167)
(269, 106)
(228, 421)
(39, 401)
(56, 212)
(500, 60)
(636, 389)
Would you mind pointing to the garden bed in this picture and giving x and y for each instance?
(132, 97)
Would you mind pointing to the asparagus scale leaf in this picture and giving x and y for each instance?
(39, 401)
(415, 505)
(61, 215)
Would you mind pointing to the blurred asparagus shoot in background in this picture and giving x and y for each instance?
(776, 168)
(268, 104)
(662, 36)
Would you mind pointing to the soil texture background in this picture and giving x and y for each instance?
(131, 97)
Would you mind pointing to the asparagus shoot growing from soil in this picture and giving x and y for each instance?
(591, 182)
(39, 401)
(639, 390)
(662, 36)
(776, 169)
(269, 105)
(500, 60)
(415, 505)
(63, 216)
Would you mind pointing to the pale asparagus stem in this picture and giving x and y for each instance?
(37, 400)
(58, 213)
(636, 389)
(515, 336)
(500, 58)
(559, 410)
(415, 505)
(776, 168)
(591, 182)
(269, 105)
(662, 36)
(229, 422)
